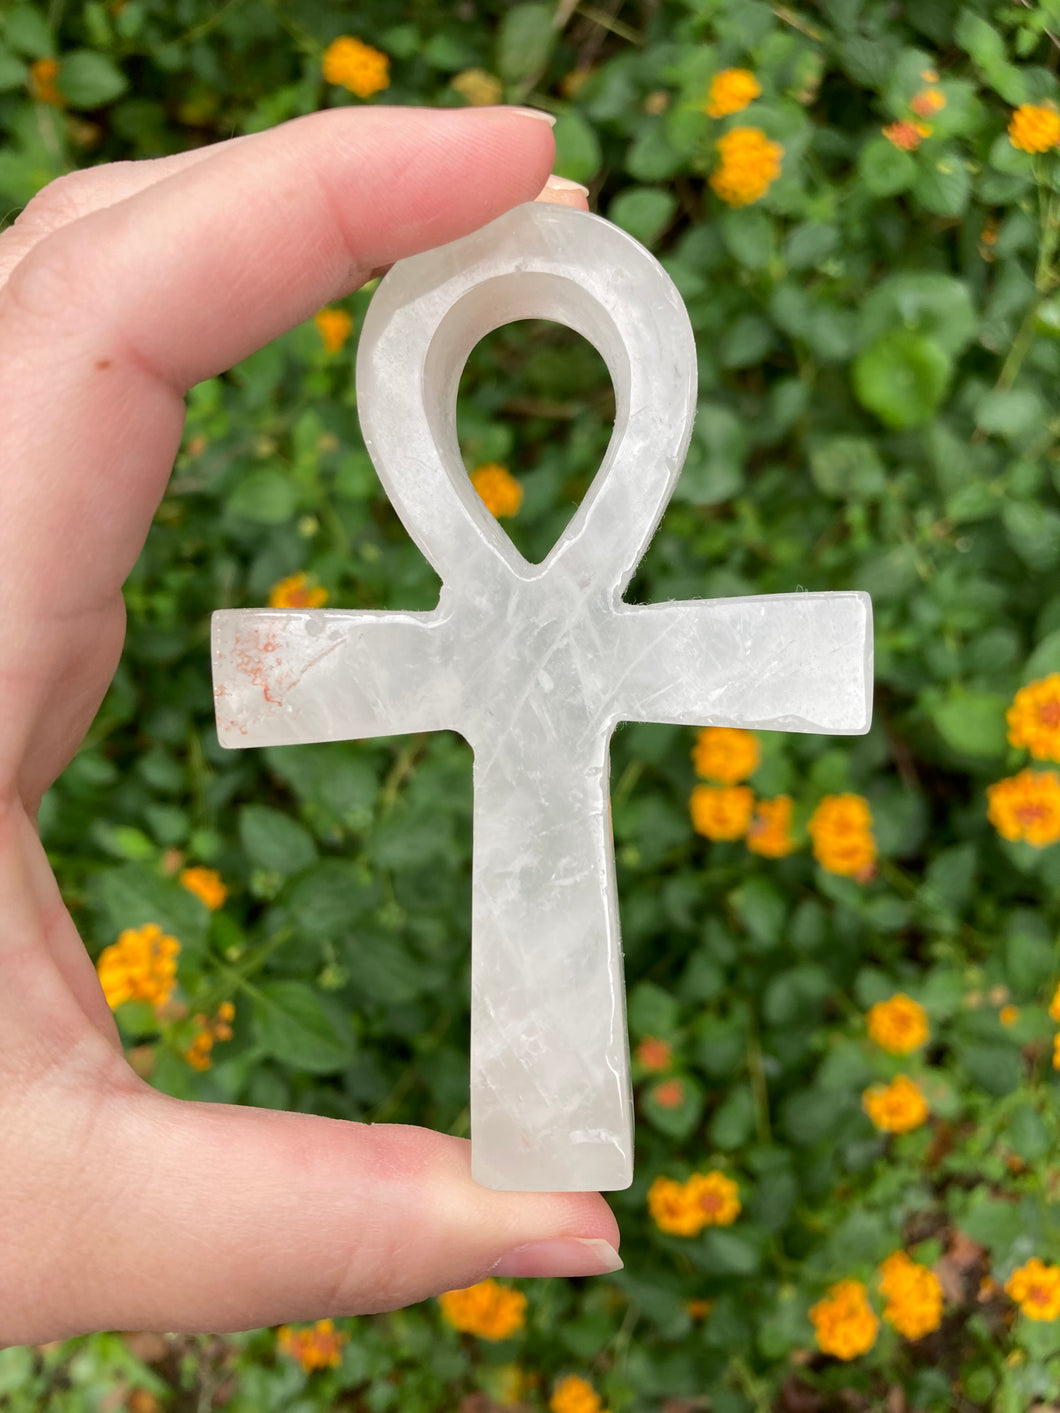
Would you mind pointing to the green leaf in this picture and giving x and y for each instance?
(13, 72)
(1030, 956)
(326, 901)
(133, 894)
(938, 306)
(762, 908)
(578, 154)
(643, 211)
(25, 29)
(943, 184)
(653, 1011)
(384, 971)
(885, 169)
(811, 1115)
(1034, 533)
(733, 1121)
(89, 80)
(981, 41)
(17, 1371)
(995, 1068)
(847, 468)
(809, 245)
(266, 497)
(525, 39)
(300, 1028)
(973, 723)
(721, 1044)
(1027, 1134)
(746, 342)
(275, 842)
(902, 378)
(1044, 659)
(730, 1253)
(748, 237)
(1013, 413)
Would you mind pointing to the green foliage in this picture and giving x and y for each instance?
(878, 349)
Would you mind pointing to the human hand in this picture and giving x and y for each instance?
(120, 287)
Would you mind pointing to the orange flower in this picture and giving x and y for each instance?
(1008, 1015)
(1054, 1006)
(356, 66)
(199, 1053)
(206, 884)
(1034, 128)
(334, 327)
(898, 1025)
(841, 830)
(1035, 1287)
(725, 754)
(769, 833)
(670, 1209)
(1056, 1052)
(685, 1208)
(654, 1055)
(498, 488)
(42, 85)
(896, 1107)
(928, 101)
(716, 1196)
(488, 1309)
(914, 1296)
(295, 592)
(669, 1095)
(140, 966)
(699, 1309)
(721, 812)
(1026, 806)
(905, 135)
(574, 1395)
(1034, 718)
(730, 92)
(844, 1323)
(749, 166)
(318, 1347)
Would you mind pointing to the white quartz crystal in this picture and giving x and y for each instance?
(536, 663)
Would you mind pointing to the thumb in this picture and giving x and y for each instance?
(205, 1217)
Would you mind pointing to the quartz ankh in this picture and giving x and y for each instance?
(535, 664)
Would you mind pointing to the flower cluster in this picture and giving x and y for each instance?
(500, 491)
(208, 1032)
(841, 830)
(898, 1025)
(896, 1107)
(1034, 128)
(908, 132)
(1034, 718)
(725, 809)
(730, 92)
(319, 1347)
(43, 86)
(685, 1208)
(488, 1309)
(914, 1296)
(1027, 806)
(140, 966)
(1054, 1014)
(769, 832)
(725, 754)
(1035, 1287)
(206, 884)
(722, 812)
(357, 66)
(749, 165)
(575, 1395)
(334, 327)
(296, 592)
(844, 1322)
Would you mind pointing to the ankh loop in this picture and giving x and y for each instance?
(535, 664)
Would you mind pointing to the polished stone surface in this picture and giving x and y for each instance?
(536, 663)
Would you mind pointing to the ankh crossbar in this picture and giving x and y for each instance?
(535, 664)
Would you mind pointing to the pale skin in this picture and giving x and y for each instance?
(121, 287)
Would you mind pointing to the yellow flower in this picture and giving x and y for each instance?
(1026, 806)
(841, 830)
(488, 1309)
(140, 966)
(356, 66)
(1056, 1052)
(295, 592)
(898, 1025)
(1008, 1015)
(574, 1395)
(199, 1053)
(721, 811)
(1035, 1287)
(334, 327)
(750, 164)
(1034, 718)
(896, 1107)
(769, 833)
(725, 754)
(844, 1322)
(477, 87)
(685, 1208)
(206, 884)
(1034, 128)
(42, 85)
(1054, 1006)
(498, 488)
(730, 92)
(928, 101)
(914, 1296)
(905, 135)
(318, 1347)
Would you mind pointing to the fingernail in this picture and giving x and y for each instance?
(566, 1256)
(555, 183)
(549, 118)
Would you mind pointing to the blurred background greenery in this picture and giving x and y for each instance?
(841, 954)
